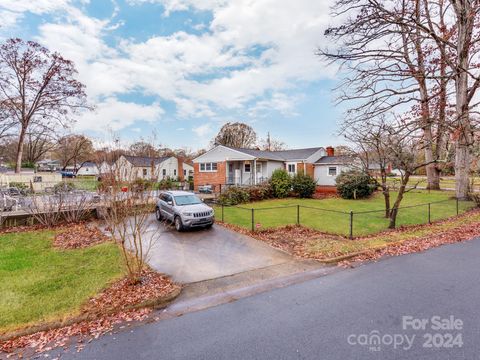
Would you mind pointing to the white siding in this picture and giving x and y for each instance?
(321, 173)
(222, 153)
(274, 165)
(170, 166)
(88, 170)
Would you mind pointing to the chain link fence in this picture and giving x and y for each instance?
(346, 223)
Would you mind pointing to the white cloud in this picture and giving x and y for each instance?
(253, 53)
(114, 115)
(203, 130)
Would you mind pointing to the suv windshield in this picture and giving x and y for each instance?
(187, 200)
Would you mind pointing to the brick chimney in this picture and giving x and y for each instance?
(330, 151)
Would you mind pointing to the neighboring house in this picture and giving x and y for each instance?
(88, 168)
(106, 167)
(149, 168)
(187, 170)
(328, 167)
(223, 165)
(38, 181)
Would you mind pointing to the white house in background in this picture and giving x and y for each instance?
(187, 171)
(88, 168)
(149, 168)
(106, 167)
(48, 165)
(327, 168)
(224, 165)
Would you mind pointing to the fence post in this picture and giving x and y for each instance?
(253, 219)
(457, 204)
(298, 214)
(429, 214)
(351, 224)
(222, 212)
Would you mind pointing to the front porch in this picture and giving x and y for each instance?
(246, 172)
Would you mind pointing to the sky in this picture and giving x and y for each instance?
(174, 71)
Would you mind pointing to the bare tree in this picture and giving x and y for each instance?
(238, 135)
(74, 149)
(271, 144)
(37, 86)
(143, 148)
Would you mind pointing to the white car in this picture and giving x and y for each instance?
(184, 209)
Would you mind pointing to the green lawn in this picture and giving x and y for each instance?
(39, 283)
(447, 182)
(274, 213)
(89, 183)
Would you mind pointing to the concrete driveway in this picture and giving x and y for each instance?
(202, 254)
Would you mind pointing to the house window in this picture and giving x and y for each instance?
(144, 172)
(292, 168)
(332, 171)
(184, 172)
(247, 168)
(174, 172)
(208, 167)
(164, 172)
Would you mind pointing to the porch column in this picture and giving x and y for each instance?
(254, 170)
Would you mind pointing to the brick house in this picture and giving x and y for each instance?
(224, 165)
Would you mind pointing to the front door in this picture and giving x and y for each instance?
(259, 172)
(230, 175)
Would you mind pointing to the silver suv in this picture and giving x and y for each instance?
(185, 209)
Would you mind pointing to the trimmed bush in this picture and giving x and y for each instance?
(281, 183)
(234, 195)
(354, 184)
(303, 185)
(165, 184)
(260, 192)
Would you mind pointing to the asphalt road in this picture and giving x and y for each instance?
(331, 317)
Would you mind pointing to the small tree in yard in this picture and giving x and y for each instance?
(303, 185)
(281, 183)
(129, 206)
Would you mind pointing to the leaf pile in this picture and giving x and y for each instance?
(84, 331)
(79, 236)
(110, 308)
(122, 294)
(449, 236)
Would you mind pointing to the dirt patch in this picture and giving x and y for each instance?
(115, 307)
(79, 236)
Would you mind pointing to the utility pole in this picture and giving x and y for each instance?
(269, 144)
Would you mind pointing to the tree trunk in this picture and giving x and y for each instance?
(462, 167)
(398, 201)
(21, 140)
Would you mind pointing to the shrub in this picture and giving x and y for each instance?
(141, 185)
(354, 184)
(281, 183)
(165, 184)
(63, 187)
(260, 192)
(475, 197)
(303, 185)
(234, 195)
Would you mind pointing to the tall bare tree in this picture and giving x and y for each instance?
(37, 86)
(74, 149)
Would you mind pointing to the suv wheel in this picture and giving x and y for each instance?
(178, 223)
(158, 214)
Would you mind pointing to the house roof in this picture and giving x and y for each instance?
(339, 159)
(282, 155)
(88, 164)
(145, 160)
